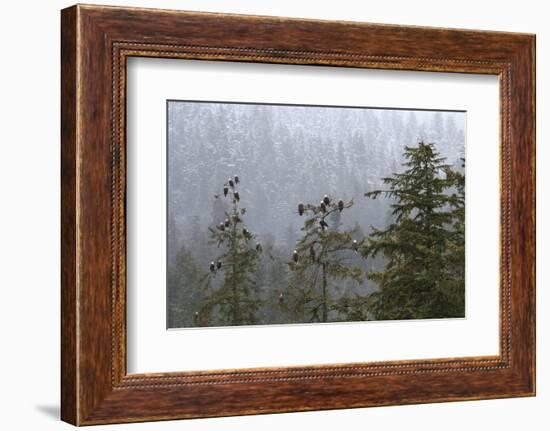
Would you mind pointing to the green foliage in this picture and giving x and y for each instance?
(417, 260)
(235, 301)
(424, 245)
(320, 262)
(184, 292)
(272, 281)
(455, 247)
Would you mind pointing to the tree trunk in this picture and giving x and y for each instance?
(325, 309)
(236, 313)
(235, 298)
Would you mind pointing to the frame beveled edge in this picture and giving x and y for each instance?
(95, 388)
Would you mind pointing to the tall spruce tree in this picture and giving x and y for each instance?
(456, 250)
(320, 262)
(235, 301)
(424, 245)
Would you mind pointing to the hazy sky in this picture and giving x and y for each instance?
(290, 154)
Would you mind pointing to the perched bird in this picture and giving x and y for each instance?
(295, 256)
(340, 205)
(326, 200)
(312, 253)
(196, 316)
(259, 248)
(225, 190)
(300, 208)
(212, 267)
(354, 244)
(221, 226)
(231, 183)
(246, 233)
(236, 218)
(323, 224)
(323, 206)
(218, 264)
(237, 197)
(281, 298)
(226, 223)
(236, 178)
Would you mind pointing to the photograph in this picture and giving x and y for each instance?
(283, 214)
(272, 215)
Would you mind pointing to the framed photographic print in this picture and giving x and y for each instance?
(266, 215)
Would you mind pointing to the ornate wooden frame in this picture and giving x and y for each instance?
(95, 42)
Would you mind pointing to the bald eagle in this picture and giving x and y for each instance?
(295, 256)
(326, 200)
(340, 205)
(300, 208)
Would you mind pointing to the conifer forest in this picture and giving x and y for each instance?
(285, 214)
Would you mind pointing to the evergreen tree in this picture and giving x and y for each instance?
(235, 302)
(320, 262)
(423, 246)
(455, 249)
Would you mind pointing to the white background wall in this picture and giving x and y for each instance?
(29, 215)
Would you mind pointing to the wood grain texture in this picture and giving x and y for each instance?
(96, 41)
(69, 397)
